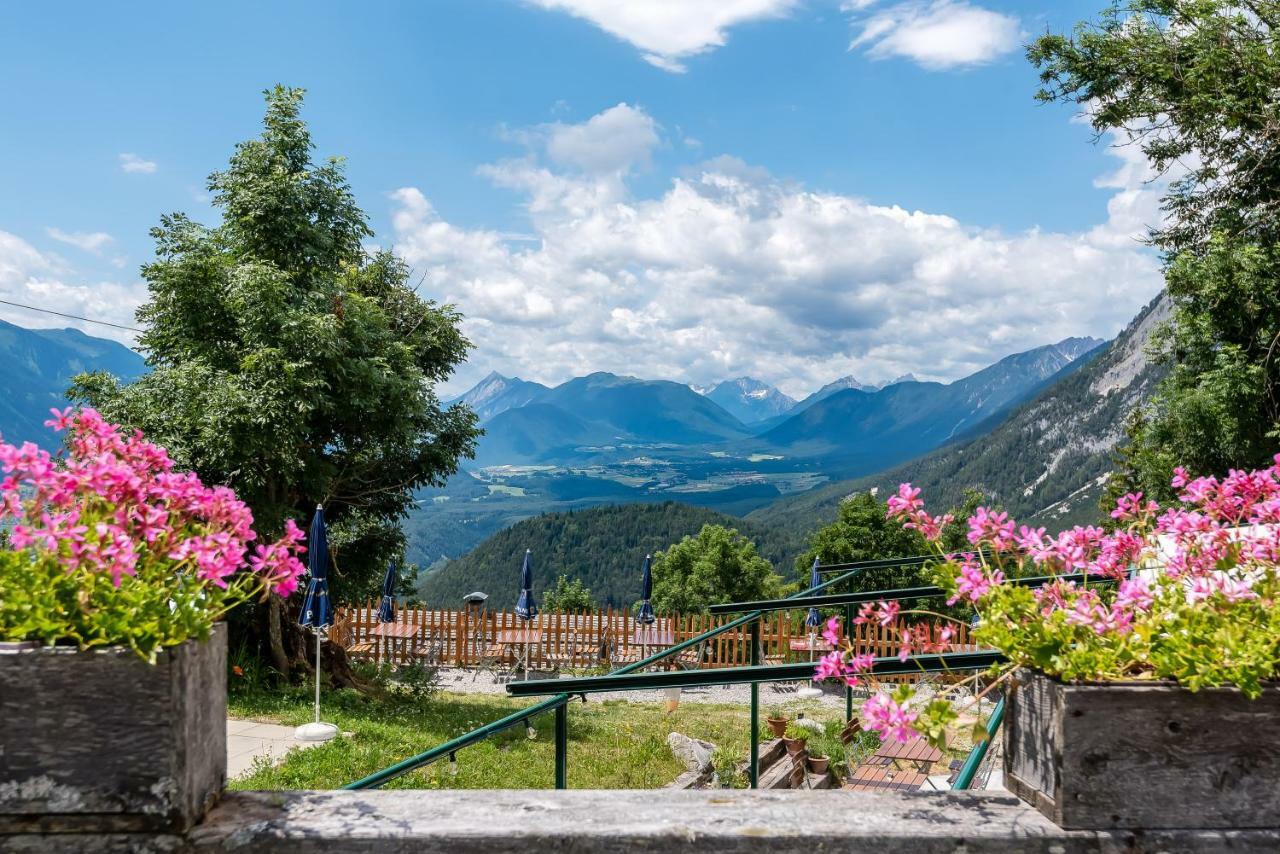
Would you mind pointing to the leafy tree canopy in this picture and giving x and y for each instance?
(568, 596)
(1193, 83)
(863, 532)
(718, 565)
(289, 362)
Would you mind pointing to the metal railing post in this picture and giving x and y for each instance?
(562, 746)
(969, 770)
(755, 706)
(848, 689)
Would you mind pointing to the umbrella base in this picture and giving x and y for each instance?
(316, 731)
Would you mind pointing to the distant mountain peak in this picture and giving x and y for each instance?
(749, 400)
(496, 393)
(905, 378)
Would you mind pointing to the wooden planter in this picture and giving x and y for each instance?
(1143, 754)
(104, 742)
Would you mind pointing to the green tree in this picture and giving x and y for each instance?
(1193, 83)
(568, 596)
(291, 363)
(718, 565)
(862, 531)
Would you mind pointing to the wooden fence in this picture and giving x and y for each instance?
(583, 639)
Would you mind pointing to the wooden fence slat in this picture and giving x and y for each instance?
(581, 639)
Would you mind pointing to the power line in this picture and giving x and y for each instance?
(69, 316)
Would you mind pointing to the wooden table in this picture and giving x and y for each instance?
(521, 640)
(650, 636)
(916, 750)
(805, 645)
(393, 632)
(872, 778)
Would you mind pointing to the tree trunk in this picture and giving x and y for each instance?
(290, 648)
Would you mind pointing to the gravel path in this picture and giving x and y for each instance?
(464, 681)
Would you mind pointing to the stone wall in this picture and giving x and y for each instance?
(614, 822)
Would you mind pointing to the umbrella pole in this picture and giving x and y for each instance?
(317, 676)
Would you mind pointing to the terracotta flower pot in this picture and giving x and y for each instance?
(794, 745)
(778, 726)
(818, 764)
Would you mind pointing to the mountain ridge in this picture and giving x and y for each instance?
(40, 364)
(1045, 461)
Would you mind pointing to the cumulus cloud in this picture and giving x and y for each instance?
(937, 35)
(670, 31)
(89, 241)
(134, 163)
(730, 271)
(30, 277)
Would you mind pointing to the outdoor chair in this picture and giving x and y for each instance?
(494, 658)
(430, 652)
(851, 731)
(690, 659)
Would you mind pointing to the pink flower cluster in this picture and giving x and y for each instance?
(115, 505)
(974, 580)
(890, 718)
(909, 507)
(1211, 550)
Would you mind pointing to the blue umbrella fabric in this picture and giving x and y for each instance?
(813, 619)
(316, 610)
(526, 607)
(645, 615)
(387, 610)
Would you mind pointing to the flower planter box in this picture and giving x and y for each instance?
(104, 742)
(1143, 755)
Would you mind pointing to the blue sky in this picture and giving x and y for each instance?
(495, 143)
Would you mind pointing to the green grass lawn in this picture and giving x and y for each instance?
(612, 744)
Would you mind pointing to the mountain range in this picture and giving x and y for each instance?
(848, 425)
(39, 365)
(1046, 462)
(854, 430)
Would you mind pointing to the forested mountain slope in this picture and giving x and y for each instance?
(603, 546)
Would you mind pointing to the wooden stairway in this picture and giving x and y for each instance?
(778, 770)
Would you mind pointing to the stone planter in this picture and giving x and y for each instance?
(1149, 755)
(104, 742)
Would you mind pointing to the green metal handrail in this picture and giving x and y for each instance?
(974, 760)
(887, 666)
(803, 600)
(558, 703)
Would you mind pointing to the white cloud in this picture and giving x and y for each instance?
(730, 271)
(134, 163)
(612, 141)
(89, 241)
(32, 278)
(938, 35)
(670, 31)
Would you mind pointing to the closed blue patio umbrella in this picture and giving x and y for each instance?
(645, 616)
(387, 610)
(526, 607)
(813, 619)
(316, 614)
